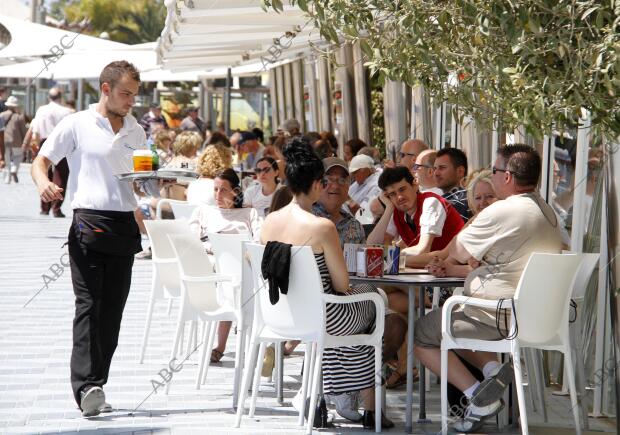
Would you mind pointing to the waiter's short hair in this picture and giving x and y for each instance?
(114, 71)
(391, 176)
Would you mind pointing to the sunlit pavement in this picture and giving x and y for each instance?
(36, 311)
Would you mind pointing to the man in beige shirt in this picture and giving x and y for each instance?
(498, 243)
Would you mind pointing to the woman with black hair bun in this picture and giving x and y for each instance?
(346, 369)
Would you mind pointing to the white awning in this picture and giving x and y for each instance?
(209, 34)
(36, 40)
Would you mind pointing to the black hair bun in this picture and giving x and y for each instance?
(298, 151)
(303, 166)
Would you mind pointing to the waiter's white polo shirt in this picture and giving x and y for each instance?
(95, 154)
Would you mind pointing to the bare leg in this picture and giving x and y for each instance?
(290, 346)
(478, 359)
(223, 329)
(394, 335)
(139, 220)
(368, 398)
(399, 302)
(458, 375)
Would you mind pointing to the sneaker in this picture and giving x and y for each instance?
(92, 398)
(347, 405)
(476, 415)
(145, 255)
(492, 388)
(268, 362)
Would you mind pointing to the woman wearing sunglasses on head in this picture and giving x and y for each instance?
(259, 195)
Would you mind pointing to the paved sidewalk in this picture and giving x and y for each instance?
(35, 346)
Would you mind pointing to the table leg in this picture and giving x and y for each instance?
(421, 369)
(410, 320)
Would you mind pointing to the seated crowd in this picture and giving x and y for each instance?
(482, 227)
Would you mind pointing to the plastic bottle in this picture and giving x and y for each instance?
(151, 144)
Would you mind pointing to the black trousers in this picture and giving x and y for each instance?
(101, 282)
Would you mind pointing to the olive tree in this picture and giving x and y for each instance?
(537, 63)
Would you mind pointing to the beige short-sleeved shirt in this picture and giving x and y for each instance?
(502, 237)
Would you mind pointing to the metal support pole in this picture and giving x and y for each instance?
(227, 101)
(548, 157)
(298, 90)
(325, 100)
(394, 114)
(362, 95)
(201, 99)
(344, 75)
(79, 104)
(601, 307)
(581, 175)
(280, 94)
(273, 94)
(210, 118)
(312, 117)
(288, 90)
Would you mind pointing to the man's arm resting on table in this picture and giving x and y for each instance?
(423, 246)
(47, 190)
(459, 253)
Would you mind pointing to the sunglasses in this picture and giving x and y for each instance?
(416, 167)
(494, 170)
(260, 171)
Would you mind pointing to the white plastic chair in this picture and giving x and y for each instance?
(228, 251)
(300, 315)
(202, 297)
(364, 216)
(165, 283)
(181, 209)
(584, 273)
(541, 304)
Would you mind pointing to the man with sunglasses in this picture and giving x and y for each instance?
(424, 171)
(499, 242)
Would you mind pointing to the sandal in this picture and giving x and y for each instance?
(396, 379)
(216, 356)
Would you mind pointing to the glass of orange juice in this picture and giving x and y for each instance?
(142, 160)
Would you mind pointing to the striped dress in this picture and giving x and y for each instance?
(350, 368)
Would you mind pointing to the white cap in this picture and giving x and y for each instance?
(361, 161)
(12, 102)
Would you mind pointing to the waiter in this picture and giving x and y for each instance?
(104, 236)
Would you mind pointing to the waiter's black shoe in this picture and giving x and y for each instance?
(92, 398)
(369, 421)
(59, 214)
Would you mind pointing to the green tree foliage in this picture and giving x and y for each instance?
(537, 63)
(131, 22)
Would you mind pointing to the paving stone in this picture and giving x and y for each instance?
(35, 347)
